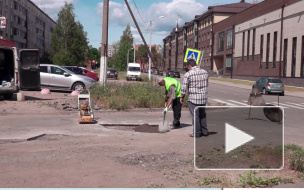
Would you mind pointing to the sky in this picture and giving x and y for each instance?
(89, 14)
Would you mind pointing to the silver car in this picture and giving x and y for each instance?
(59, 78)
(268, 85)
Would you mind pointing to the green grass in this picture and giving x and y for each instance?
(296, 155)
(235, 81)
(250, 179)
(128, 96)
(211, 180)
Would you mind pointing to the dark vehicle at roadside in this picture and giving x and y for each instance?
(268, 85)
(159, 72)
(76, 70)
(112, 73)
(173, 74)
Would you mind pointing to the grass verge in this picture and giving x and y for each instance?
(128, 96)
(296, 156)
(250, 179)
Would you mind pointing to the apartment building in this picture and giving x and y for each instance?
(267, 40)
(197, 34)
(27, 25)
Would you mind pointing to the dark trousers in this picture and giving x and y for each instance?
(177, 109)
(199, 121)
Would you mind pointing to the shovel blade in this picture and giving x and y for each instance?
(163, 127)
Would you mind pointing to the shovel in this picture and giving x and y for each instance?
(163, 126)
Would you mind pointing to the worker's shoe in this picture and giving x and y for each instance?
(196, 136)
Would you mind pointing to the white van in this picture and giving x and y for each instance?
(18, 71)
(133, 72)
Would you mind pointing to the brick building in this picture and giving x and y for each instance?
(197, 34)
(27, 25)
(264, 40)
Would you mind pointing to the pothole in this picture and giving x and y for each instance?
(144, 128)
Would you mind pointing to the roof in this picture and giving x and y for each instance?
(233, 8)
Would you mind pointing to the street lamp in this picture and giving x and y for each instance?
(150, 56)
(128, 55)
(134, 52)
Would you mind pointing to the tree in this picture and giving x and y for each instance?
(126, 41)
(94, 54)
(69, 41)
(142, 55)
(112, 61)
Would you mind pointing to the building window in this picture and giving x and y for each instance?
(267, 50)
(261, 50)
(228, 63)
(253, 44)
(229, 39)
(248, 45)
(285, 56)
(275, 43)
(221, 41)
(302, 58)
(294, 56)
(243, 46)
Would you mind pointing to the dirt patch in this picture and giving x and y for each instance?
(155, 161)
(144, 128)
(245, 157)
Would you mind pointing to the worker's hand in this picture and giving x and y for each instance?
(181, 100)
(170, 106)
(166, 109)
(166, 98)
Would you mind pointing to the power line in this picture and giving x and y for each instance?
(139, 13)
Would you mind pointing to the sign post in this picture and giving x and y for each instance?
(192, 54)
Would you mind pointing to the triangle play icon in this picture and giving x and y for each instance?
(235, 138)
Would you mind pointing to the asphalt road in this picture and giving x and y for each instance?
(237, 95)
(293, 108)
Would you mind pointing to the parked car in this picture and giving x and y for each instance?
(173, 74)
(59, 78)
(75, 69)
(112, 73)
(268, 85)
(159, 72)
(83, 71)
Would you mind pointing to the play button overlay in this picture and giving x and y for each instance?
(240, 138)
(235, 138)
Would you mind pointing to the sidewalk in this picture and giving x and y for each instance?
(244, 86)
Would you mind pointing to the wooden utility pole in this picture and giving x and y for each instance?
(104, 44)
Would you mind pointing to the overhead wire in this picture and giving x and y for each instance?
(139, 13)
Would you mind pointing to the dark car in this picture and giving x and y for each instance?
(173, 74)
(268, 85)
(160, 72)
(76, 70)
(112, 73)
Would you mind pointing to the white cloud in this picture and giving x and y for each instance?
(133, 29)
(51, 7)
(119, 15)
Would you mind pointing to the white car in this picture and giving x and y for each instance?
(59, 78)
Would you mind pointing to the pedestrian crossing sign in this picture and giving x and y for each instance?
(192, 54)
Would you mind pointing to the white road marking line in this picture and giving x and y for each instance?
(299, 105)
(238, 102)
(223, 102)
(289, 105)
